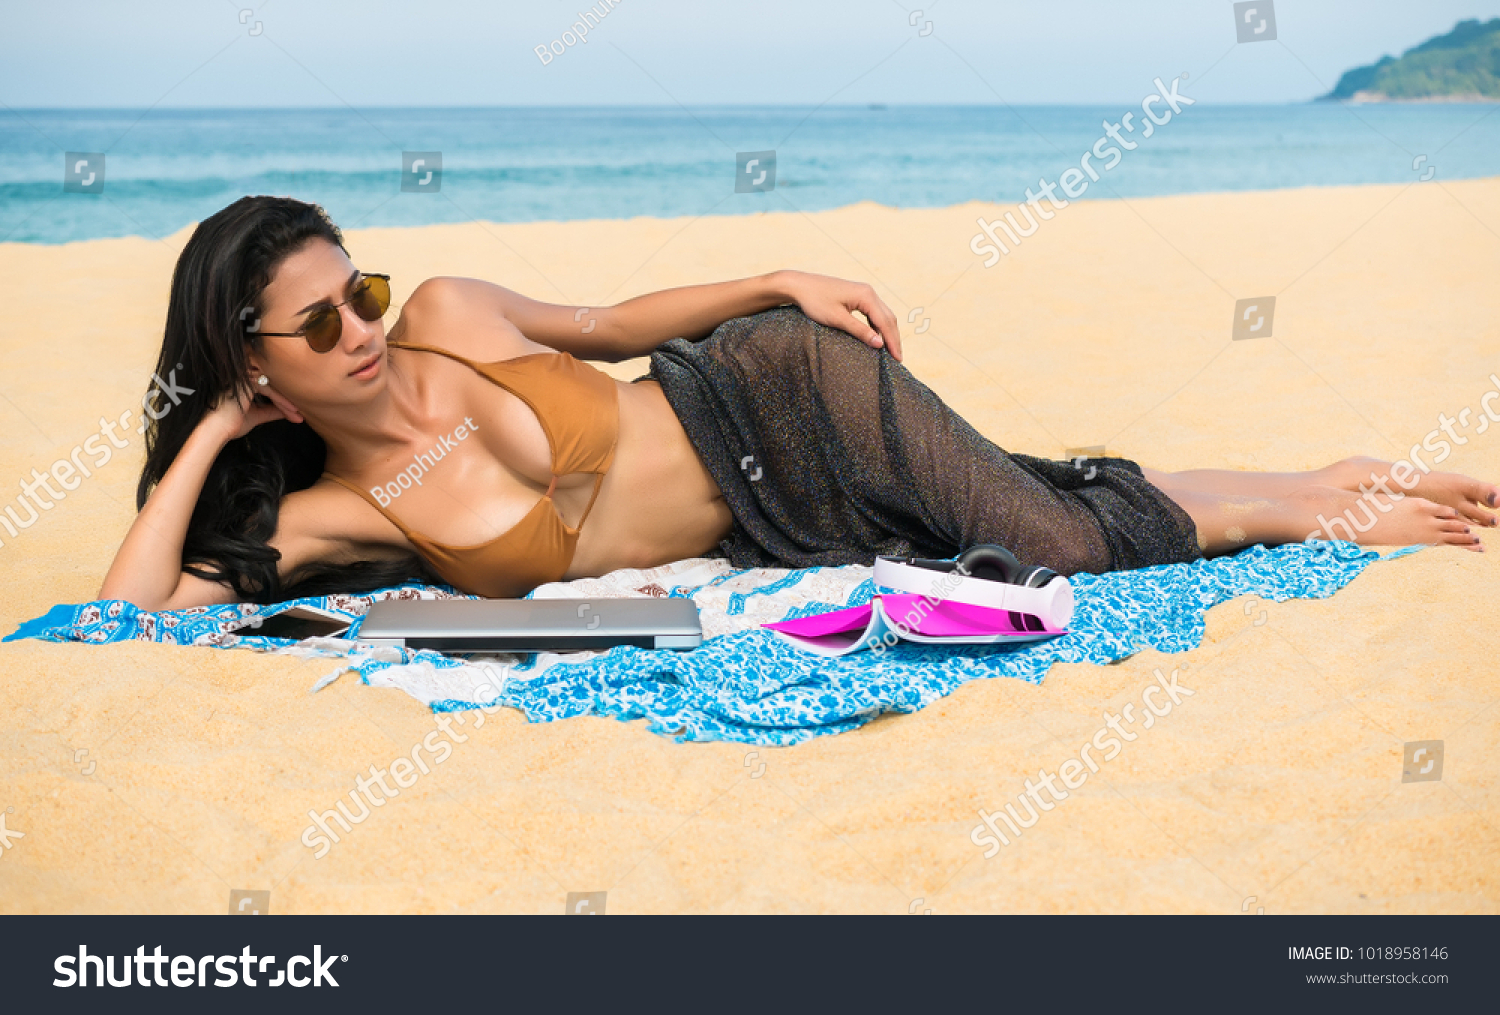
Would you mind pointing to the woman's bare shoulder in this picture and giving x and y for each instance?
(464, 316)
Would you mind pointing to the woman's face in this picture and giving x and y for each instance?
(317, 276)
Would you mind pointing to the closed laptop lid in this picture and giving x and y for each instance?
(532, 624)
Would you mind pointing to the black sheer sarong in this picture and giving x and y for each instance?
(829, 452)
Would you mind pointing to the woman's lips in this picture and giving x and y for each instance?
(367, 369)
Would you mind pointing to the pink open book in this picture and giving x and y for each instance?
(888, 619)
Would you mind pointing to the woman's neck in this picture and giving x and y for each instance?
(375, 429)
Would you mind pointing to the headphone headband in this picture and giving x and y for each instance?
(940, 579)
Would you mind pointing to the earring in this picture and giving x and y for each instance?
(264, 380)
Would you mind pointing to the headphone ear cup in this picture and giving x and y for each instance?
(990, 562)
(1035, 577)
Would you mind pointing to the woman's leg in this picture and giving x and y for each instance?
(1232, 510)
(1467, 496)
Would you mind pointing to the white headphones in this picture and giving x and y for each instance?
(985, 575)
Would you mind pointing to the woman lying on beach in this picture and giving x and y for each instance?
(310, 453)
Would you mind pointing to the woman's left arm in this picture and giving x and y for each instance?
(639, 325)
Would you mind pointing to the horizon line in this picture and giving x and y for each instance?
(1318, 100)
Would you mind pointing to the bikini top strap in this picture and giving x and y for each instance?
(431, 348)
(375, 504)
(598, 483)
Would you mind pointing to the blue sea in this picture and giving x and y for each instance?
(166, 168)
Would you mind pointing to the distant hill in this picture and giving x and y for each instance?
(1464, 64)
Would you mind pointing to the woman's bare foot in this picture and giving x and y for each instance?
(1406, 521)
(1466, 495)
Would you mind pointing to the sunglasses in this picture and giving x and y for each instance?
(325, 326)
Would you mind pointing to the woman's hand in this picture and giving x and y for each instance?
(832, 302)
(238, 413)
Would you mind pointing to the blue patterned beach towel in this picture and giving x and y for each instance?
(744, 684)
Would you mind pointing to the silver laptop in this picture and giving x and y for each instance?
(531, 625)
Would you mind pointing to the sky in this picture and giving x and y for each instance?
(195, 53)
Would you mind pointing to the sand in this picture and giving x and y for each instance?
(1276, 786)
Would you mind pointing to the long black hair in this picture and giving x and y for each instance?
(217, 286)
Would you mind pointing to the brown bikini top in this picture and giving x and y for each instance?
(578, 409)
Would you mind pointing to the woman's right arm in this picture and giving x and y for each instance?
(147, 570)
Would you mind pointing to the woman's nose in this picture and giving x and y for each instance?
(355, 331)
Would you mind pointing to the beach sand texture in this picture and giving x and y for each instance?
(1276, 786)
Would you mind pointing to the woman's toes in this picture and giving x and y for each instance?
(1484, 493)
(1478, 517)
